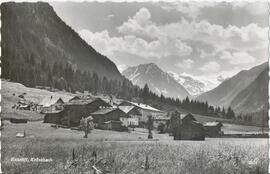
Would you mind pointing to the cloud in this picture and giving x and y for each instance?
(142, 37)
(109, 17)
(140, 25)
(131, 44)
(210, 67)
(254, 8)
(246, 38)
(237, 58)
(192, 9)
(187, 63)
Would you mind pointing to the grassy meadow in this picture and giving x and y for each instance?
(209, 157)
(125, 153)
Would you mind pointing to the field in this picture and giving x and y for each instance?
(124, 152)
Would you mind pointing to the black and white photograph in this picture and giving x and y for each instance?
(134, 87)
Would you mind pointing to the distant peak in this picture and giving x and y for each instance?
(149, 64)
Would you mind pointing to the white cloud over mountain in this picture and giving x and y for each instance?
(233, 47)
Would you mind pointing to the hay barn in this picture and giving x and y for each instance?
(213, 129)
(108, 114)
(54, 117)
(188, 128)
(191, 129)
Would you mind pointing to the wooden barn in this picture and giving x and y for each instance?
(188, 128)
(54, 117)
(76, 109)
(213, 129)
(107, 114)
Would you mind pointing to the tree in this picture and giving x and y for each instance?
(223, 112)
(145, 93)
(150, 126)
(176, 125)
(230, 114)
(161, 128)
(162, 98)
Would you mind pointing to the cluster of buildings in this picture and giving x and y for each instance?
(118, 116)
(105, 114)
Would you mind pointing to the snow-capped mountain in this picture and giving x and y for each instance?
(157, 80)
(194, 86)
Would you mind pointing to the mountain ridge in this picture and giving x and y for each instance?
(225, 93)
(158, 81)
(44, 35)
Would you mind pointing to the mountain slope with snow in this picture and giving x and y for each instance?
(195, 86)
(157, 80)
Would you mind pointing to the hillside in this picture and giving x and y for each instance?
(157, 80)
(254, 97)
(225, 93)
(10, 92)
(34, 31)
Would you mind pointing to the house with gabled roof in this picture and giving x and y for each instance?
(140, 110)
(110, 116)
(51, 104)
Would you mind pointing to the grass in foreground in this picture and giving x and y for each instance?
(209, 157)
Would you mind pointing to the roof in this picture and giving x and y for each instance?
(112, 121)
(84, 101)
(50, 100)
(79, 102)
(104, 111)
(126, 109)
(198, 123)
(144, 106)
(212, 124)
(89, 118)
(81, 97)
(53, 112)
(182, 116)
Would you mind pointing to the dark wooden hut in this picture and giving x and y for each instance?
(108, 114)
(189, 128)
(109, 118)
(54, 117)
(213, 129)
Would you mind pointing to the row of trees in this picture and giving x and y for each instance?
(258, 117)
(30, 72)
(204, 108)
(63, 76)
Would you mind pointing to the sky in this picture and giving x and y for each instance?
(210, 40)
